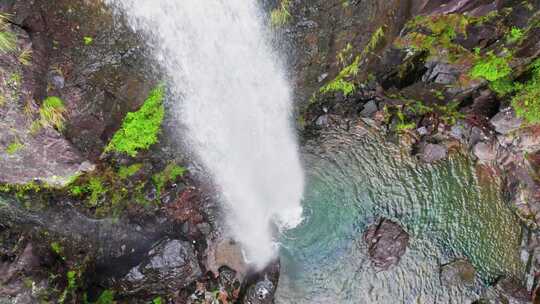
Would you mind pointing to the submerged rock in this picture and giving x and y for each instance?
(387, 242)
(457, 273)
(431, 153)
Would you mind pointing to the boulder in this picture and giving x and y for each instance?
(370, 108)
(387, 242)
(169, 266)
(506, 122)
(440, 73)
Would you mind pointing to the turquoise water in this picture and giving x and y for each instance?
(449, 209)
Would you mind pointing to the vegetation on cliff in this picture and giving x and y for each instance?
(140, 129)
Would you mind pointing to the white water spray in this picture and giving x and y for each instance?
(236, 104)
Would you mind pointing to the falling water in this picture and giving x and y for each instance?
(235, 103)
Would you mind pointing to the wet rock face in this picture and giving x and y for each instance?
(387, 242)
(29, 150)
(170, 266)
(99, 80)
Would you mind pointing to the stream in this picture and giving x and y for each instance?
(449, 209)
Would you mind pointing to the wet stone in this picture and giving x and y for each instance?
(169, 266)
(387, 242)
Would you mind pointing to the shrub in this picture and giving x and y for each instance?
(140, 129)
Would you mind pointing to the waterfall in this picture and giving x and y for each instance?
(235, 102)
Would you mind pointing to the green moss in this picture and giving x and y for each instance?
(125, 172)
(170, 173)
(58, 249)
(515, 35)
(492, 67)
(106, 297)
(527, 100)
(281, 15)
(140, 129)
(503, 86)
(94, 188)
(435, 35)
(88, 40)
(14, 147)
(52, 113)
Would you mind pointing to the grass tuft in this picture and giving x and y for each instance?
(281, 15)
(52, 113)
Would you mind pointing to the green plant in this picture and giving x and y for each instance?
(96, 189)
(281, 16)
(157, 300)
(52, 113)
(170, 173)
(492, 67)
(515, 35)
(376, 38)
(125, 172)
(8, 40)
(340, 84)
(526, 102)
(140, 129)
(58, 249)
(71, 287)
(88, 40)
(14, 147)
(106, 297)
